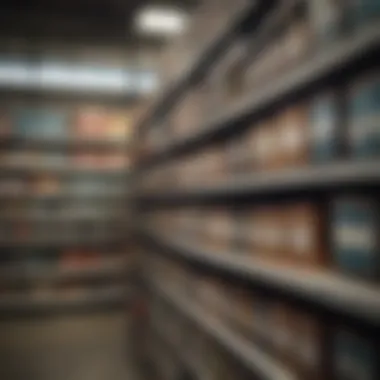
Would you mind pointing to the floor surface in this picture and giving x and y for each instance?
(84, 347)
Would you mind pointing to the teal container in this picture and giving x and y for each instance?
(354, 357)
(355, 236)
(363, 12)
(364, 118)
(324, 125)
(40, 123)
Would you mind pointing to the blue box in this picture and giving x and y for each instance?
(324, 128)
(355, 236)
(364, 12)
(40, 123)
(364, 118)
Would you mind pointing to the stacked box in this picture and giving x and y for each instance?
(305, 235)
(266, 234)
(324, 127)
(293, 136)
(355, 227)
(354, 356)
(364, 111)
(308, 346)
(91, 123)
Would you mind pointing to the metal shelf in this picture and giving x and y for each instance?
(256, 360)
(311, 178)
(324, 65)
(64, 196)
(60, 241)
(26, 305)
(333, 292)
(62, 170)
(210, 54)
(14, 142)
(59, 275)
(61, 218)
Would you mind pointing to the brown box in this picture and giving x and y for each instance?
(305, 234)
(293, 132)
(262, 143)
(308, 346)
(266, 234)
(219, 230)
(281, 333)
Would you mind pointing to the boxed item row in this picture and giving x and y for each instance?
(310, 347)
(302, 32)
(81, 160)
(342, 235)
(46, 185)
(91, 123)
(63, 258)
(333, 125)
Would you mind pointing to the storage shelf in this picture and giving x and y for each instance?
(205, 59)
(63, 196)
(62, 170)
(25, 304)
(179, 355)
(313, 178)
(343, 54)
(60, 241)
(333, 292)
(57, 218)
(14, 142)
(256, 360)
(59, 275)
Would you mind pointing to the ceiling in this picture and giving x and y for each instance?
(101, 22)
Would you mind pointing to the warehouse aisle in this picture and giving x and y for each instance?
(86, 347)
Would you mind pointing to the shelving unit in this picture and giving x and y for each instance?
(64, 241)
(272, 253)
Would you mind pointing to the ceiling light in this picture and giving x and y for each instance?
(161, 21)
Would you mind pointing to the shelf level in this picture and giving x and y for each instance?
(311, 178)
(333, 292)
(17, 143)
(253, 358)
(324, 65)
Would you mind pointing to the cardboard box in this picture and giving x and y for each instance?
(292, 127)
(308, 346)
(263, 144)
(305, 235)
(355, 227)
(267, 234)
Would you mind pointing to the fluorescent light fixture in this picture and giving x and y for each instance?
(161, 21)
(84, 78)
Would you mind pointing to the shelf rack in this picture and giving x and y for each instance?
(256, 360)
(328, 292)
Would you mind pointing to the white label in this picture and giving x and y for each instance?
(361, 237)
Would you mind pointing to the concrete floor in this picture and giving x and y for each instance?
(82, 347)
